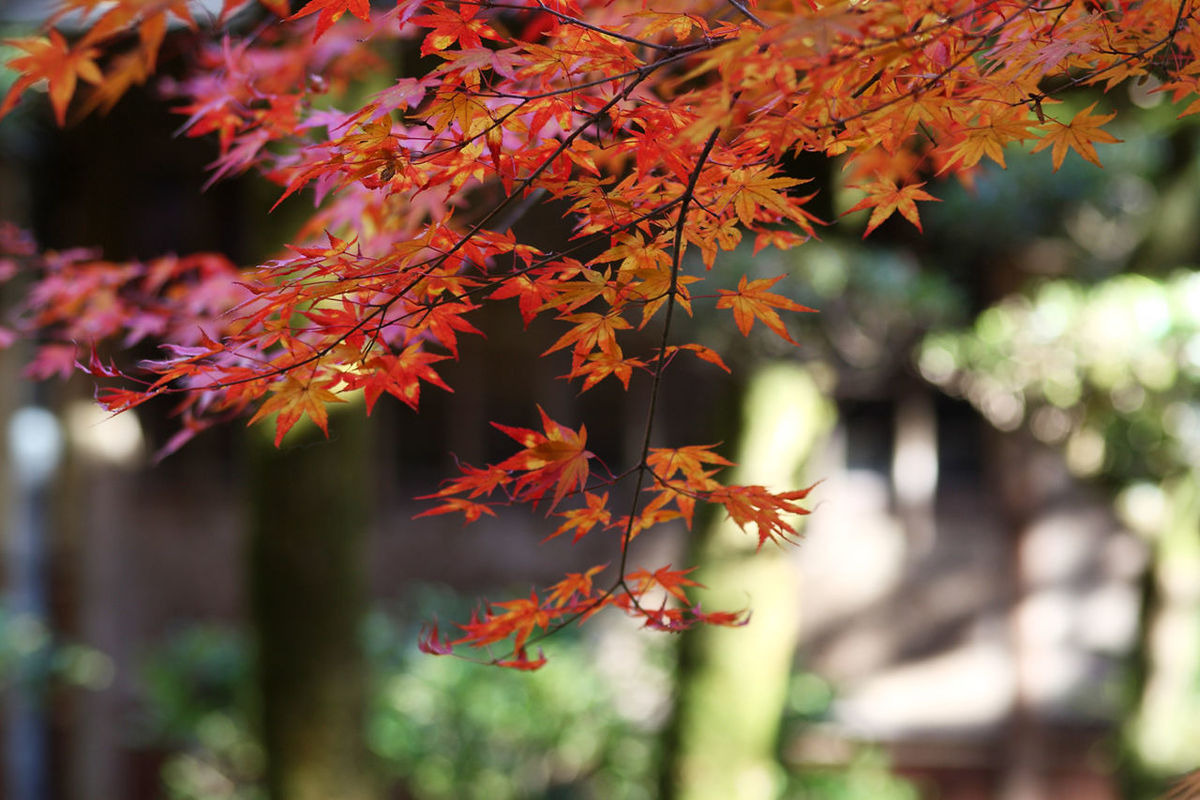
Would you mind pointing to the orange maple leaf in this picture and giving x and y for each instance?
(126, 70)
(575, 586)
(726, 619)
(532, 296)
(986, 140)
(591, 331)
(599, 366)
(766, 509)
(1077, 135)
(689, 461)
(522, 661)
(450, 26)
(293, 398)
(399, 375)
(887, 198)
(518, 619)
(673, 582)
(54, 61)
(654, 513)
(752, 301)
(478, 482)
(584, 519)
(755, 188)
(702, 352)
(471, 511)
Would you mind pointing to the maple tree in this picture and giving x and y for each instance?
(659, 126)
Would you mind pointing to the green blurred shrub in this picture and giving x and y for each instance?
(454, 730)
(31, 657)
(198, 707)
(860, 772)
(1108, 371)
(866, 777)
(442, 728)
(584, 727)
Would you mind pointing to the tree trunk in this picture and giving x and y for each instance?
(311, 502)
(733, 681)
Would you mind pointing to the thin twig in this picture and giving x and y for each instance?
(656, 380)
(740, 6)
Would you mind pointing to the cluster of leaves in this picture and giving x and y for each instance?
(659, 126)
(31, 657)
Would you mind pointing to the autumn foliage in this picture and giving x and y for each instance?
(662, 126)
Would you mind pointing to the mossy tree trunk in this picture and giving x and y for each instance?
(733, 682)
(311, 503)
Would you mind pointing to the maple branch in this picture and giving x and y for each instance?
(679, 54)
(642, 74)
(740, 6)
(1179, 15)
(587, 241)
(656, 379)
(427, 155)
(1127, 58)
(567, 18)
(432, 263)
(379, 314)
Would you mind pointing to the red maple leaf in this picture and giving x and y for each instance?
(555, 459)
(331, 11)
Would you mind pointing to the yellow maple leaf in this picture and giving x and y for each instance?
(293, 398)
(1077, 135)
(886, 198)
(986, 140)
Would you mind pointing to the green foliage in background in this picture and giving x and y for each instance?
(197, 706)
(444, 729)
(863, 773)
(447, 729)
(866, 777)
(32, 657)
(455, 730)
(1109, 371)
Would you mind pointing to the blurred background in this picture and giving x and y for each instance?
(997, 595)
